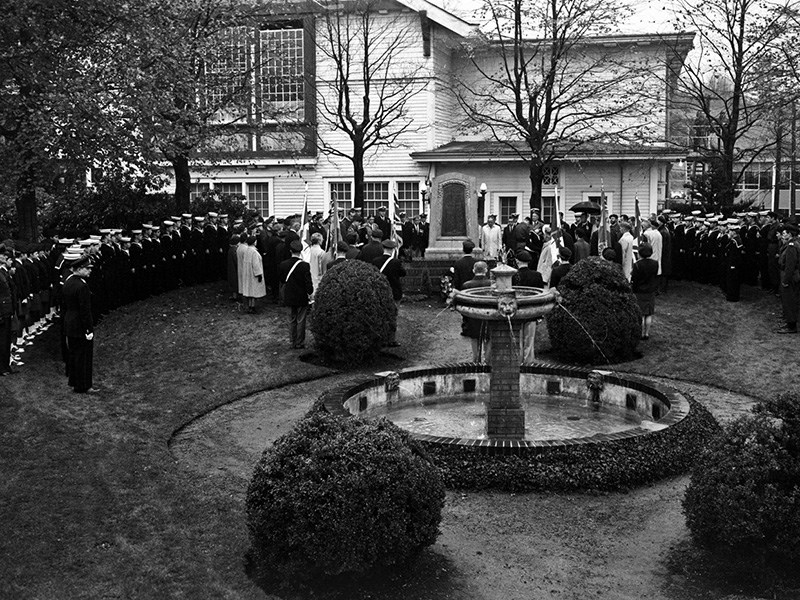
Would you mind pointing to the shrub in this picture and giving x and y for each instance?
(743, 500)
(596, 293)
(341, 495)
(354, 313)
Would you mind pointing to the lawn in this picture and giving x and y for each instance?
(100, 498)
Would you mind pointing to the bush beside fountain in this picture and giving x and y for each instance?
(596, 293)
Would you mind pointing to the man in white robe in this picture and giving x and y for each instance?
(626, 242)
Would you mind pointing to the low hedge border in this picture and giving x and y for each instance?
(618, 463)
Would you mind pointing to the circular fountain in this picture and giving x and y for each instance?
(558, 419)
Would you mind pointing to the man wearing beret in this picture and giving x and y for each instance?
(78, 328)
(789, 264)
(295, 276)
(394, 271)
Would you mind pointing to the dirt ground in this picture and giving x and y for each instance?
(138, 492)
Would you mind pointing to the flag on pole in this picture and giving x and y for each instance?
(333, 231)
(395, 220)
(637, 219)
(304, 216)
(604, 235)
(558, 208)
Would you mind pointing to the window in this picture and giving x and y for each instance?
(344, 194)
(785, 178)
(549, 210)
(228, 189)
(508, 206)
(408, 199)
(550, 175)
(196, 190)
(227, 81)
(376, 194)
(282, 84)
(258, 198)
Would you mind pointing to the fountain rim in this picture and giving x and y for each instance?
(679, 408)
(479, 297)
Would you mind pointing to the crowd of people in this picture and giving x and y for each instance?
(112, 267)
(753, 248)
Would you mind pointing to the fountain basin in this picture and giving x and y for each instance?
(664, 439)
(652, 407)
(481, 303)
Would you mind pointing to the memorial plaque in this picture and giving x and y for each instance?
(454, 213)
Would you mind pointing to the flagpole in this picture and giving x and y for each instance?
(558, 207)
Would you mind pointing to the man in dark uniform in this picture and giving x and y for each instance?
(188, 272)
(425, 234)
(223, 241)
(78, 326)
(679, 250)
(6, 313)
(525, 276)
(211, 247)
(734, 252)
(383, 223)
(295, 277)
(393, 270)
(750, 237)
(137, 264)
(773, 250)
(198, 250)
(789, 264)
(461, 271)
(147, 278)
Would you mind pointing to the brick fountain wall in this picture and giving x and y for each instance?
(505, 417)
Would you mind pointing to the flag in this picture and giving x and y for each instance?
(637, 220)
(333, 231)
(304, 215)
(395, 221)
(604, 234)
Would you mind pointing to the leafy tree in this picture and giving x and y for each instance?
(54, 98)
(367, 78)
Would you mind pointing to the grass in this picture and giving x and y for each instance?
(95, 505)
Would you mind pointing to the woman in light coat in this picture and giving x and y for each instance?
(253, 276)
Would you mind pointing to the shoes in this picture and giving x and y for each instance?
(784, 330)
(393, 344)
(89, 391)
(299, 346)
(11, 371)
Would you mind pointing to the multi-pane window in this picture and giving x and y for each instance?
(755, 179)
(258, 198)
(344, 194)
(550, 175)
(549, 210)
(408, 199)
(198, 189)
(785, 179)
(508, 206)
(376, 195)
(228, 189)
(228, 73)
(281, 74)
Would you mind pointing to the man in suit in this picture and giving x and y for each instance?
(383, 223)
(78, 328)
(393, 270)
(295, 276)
(462, 269)
(373, 249)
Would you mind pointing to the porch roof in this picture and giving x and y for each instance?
(494, 151)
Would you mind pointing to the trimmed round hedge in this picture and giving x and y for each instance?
(743, 500)
(618, 465)
(596, 293)
(341, 495)
(354, 313)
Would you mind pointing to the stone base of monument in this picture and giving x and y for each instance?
(505, 423)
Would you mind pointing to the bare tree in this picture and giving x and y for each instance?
(365, 81)
(728, 84)
(545, 86)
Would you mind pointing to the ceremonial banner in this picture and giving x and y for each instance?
(604, 234)
(333, 225)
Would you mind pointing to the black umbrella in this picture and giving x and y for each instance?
(586, 207)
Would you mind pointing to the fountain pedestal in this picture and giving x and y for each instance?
(505, 309)
(505, 417)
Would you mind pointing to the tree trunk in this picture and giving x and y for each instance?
(183, 180)
(536, 174)
(358, 178)
(27, 219)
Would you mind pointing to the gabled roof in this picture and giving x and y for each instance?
(442, 17)
(494, 151)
